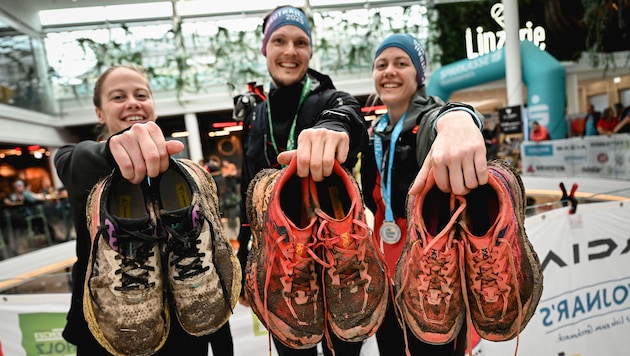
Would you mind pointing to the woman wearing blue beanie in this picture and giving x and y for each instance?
(421, 142)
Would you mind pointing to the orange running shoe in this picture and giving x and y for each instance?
(204, 275)
(356, 288)
(429, 274)
(124, 301)
(503, 273)
(281, 279)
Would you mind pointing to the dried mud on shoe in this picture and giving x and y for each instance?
(503, 273)
(124, 302)
(428, 273)
(204, 275)
(281, 280)
(353, 274)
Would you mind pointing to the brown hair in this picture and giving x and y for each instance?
(101, 131)
(98, 86)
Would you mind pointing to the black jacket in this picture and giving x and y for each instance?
(325, 107)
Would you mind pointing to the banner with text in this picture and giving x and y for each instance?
(591, 156)
(585, 305)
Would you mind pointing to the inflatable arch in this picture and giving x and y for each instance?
(544, 76)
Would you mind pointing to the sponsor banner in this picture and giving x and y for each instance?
(592, 156)
(585, 305)
(31, 325)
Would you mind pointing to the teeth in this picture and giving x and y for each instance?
(390, 85)
(135, 118)
(288, 65)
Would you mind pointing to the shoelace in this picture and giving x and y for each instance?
(134, 252)
(456, 208)
(301, 273)
(187, 259)
(486, 274)
(345, 259)
(343, 252)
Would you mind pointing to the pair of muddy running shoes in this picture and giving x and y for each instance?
(157, 246)
(314, 266)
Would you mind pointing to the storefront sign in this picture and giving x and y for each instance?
(482, 42)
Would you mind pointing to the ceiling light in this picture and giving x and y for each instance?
(218, 133)
(180, 134)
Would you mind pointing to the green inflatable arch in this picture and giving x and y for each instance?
(544, 76)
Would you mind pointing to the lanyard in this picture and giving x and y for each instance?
(386, 179)
(306, 89)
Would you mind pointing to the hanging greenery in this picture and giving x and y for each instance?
(607, 25)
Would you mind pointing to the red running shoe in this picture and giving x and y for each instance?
(356, 288)
(281, 279)
(124, 290)
(429, 272)
(503, 273)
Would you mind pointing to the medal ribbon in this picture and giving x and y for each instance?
(306, 89)
(386, 182)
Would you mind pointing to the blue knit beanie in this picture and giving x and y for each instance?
(412, 47)
(282, 16)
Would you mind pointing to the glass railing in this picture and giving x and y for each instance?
(214, 51)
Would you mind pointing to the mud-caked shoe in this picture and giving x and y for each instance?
(281, 278)
(356, 287)
(203, 273)
(428, 280)
(503, 273)
(124, 301)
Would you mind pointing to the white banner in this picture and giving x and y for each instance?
(590, 156)
(585, 306)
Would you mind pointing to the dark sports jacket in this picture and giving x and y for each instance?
(324, 107)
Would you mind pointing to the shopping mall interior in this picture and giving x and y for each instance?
(201, 54)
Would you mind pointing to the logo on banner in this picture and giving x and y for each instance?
(41, 334)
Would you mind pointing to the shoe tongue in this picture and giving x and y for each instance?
(478, 243)
(135, 224)
(178, 219)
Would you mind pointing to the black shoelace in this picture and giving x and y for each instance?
(135, 248)
(183, 244)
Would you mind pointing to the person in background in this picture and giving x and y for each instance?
(23, 200)
(132, 141)
(21, 194)
(624, 123)
(538, 132)
(607, 122)
(590, 124)
(304, 116)
(418, 133)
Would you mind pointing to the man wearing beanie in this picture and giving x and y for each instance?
(304, 116)
(419, 136)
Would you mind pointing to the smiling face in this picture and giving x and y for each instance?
(125, 99)
(288, 55)
(394, 77)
